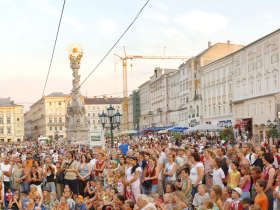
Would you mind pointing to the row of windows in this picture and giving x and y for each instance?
(8, 120)
(56, 128)
(53, 103)
(55, 120)
(2, 130)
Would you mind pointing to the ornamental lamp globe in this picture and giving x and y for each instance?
(103, 118)
(111, 111)
(118, 117)
(75, 50)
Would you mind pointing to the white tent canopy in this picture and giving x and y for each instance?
(205, 127)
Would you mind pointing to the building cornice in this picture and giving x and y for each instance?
(254, 97)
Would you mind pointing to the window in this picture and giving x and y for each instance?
(59, 103)
(8, 120)
(93, 114)
(55, 120)
(55, 128)
(50, 120)
(60, 128)
(18, 119)
(60, 120)
(50, 128)
(1, 130)
(8, 130)
(50, 103)
(88, 114)
(93, 121)
(1, 120)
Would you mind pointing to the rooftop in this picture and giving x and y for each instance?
(57, 94)
(7, 102)
(104, 100)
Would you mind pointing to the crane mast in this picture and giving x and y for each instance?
(125, 93)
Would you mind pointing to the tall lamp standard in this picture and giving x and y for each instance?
(114, 120)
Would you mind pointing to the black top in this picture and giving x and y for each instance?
(35, 182)
(224, 166)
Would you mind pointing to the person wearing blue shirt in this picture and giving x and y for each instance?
(123, 147)
(80, 205)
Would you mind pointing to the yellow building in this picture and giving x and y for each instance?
(46, 117)
(11, 121)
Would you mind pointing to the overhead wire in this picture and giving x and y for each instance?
(115, 44)
(54, 46)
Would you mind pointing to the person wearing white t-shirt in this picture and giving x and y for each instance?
(218, 173)
(197, 171)
(7, 173)
(133, 177)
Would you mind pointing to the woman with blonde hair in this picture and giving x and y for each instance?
(216, 197)
(47, 200)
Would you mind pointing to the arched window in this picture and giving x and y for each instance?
(197, 111)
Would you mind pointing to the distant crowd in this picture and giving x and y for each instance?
(147, 172)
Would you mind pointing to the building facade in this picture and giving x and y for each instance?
(191, 80)
(159, 96)
(11, 121)
(95, 106)
(145, 119)
(173, 99)
(47, 116)
(216, 84)
(256, 85)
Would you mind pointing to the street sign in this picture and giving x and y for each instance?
(96, 137)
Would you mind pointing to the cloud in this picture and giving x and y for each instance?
(107, 25)
(200, 21)
(68, 20)
(160, 6)
(157, 17)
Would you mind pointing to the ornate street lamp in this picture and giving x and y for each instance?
(268, 123)
(114, 120)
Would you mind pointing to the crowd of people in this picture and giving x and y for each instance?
(152, 171)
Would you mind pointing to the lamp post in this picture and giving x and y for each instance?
(114, 120)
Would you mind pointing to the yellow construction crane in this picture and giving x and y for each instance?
(124, 64)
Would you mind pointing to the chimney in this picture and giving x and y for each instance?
(228, 42)
(209, 44)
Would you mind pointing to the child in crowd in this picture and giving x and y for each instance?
(246, 202)
(200, 196)
(276, 193)
(261, 198)
(186, 185)
(218, 173)
(9, 195)
(80, 204)
(207, 205)
(236, 204)
(234, 175)
(25, 199)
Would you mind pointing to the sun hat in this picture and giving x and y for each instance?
(238, 190)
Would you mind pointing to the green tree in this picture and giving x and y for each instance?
(227, 134)
(273, 132)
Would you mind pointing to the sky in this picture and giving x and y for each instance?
(166, 27)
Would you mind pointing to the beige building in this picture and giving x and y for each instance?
(190, 80)
(256, 73)
(217, 92)
(95, 106)
(11, 121)
(46, 117)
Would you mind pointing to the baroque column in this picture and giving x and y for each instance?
(76, 120)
